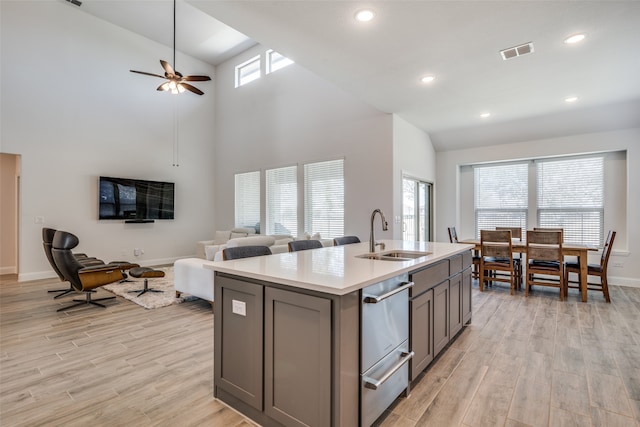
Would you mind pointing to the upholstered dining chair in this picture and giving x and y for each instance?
(239, 252)
(345, 240)
(303, 245)
(599, 270)
(83, 278)
(496, 254)
(544, 255)
(453, 238)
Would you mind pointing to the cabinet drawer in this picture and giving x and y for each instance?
(456, 264)
(429, 277)
(466, 260)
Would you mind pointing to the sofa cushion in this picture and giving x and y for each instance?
(284, 241)
(251, 241)
(245, 230)
(211, 250)
(235, 235)
(221, 237)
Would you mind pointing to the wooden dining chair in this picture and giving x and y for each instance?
(544, 255)
(599, 270)
(516, 234)
(496, 255)
(475, 257)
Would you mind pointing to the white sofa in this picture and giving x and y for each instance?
(193, 278)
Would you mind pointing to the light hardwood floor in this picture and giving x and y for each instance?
(522, 362)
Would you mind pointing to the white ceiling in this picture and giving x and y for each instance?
(382, 61)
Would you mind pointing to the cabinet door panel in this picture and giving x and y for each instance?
(297, 358)
(466, 296)
(440, 317)
(421, 334)
(455, 313)
(238, 366)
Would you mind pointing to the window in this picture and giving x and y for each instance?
(275, 61)
(570, 195)
(282, 200)
(501, 195)
(248, 71)
(416, 210)
(247, 199)
(324, 198)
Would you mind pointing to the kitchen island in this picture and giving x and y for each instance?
(296, 334)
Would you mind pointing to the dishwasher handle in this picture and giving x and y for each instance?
(373, 384)
(372, 299)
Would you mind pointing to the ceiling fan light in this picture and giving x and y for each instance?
(181, 88)
(165, 86)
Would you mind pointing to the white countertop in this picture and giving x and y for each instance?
(336, 270)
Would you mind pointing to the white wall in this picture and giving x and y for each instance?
(623, 203)
(413, 155)
(293, 116)
(73, 110)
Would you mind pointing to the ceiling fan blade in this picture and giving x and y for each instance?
(167, 68)
(191, 88)
(147, 74)
(196, 78)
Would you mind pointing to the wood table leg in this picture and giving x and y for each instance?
(583, 261)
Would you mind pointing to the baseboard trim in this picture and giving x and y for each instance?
(9, 270)
(50, 274)
(624, 281)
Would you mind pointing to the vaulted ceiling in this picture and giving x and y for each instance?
(457, 42)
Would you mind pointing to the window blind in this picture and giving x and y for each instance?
(501, 196)
(247, 199)
(570, 196)
(282, 200)
(324, 198)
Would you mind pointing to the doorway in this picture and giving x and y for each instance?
(9, 212)
(416, 209)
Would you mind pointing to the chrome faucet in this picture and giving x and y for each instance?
(372, 239)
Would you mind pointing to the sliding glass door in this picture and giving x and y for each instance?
(416, 209)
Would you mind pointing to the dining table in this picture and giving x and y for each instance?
(568, 249)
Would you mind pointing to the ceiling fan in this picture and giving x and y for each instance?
(176, 82)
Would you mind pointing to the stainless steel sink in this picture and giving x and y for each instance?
(396, 255)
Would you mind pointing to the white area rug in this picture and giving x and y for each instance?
(150, 299)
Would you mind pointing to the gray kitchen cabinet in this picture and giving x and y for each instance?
(297, 358)
(421, 332)
(238, 357)
(441, 310)
(466, 295)
(455, 304)
(440, 305)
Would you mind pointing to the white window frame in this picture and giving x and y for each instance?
(324, 198)
(276, 61)
(247, 204)
(240, 80)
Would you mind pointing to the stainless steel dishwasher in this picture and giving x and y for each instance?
(384, 346)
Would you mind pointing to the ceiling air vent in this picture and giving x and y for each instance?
(76, 2)
(512, 52)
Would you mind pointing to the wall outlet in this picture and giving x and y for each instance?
(138, 251)
(618, 264)
(38, 219)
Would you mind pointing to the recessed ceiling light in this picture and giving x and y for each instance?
(365, 15)
(485, 115)
(574, 38)
(571, 99)
(427, 79)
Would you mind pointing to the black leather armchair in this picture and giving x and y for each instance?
(83, 278)
(47, 240)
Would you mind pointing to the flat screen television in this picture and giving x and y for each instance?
(135, 199)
